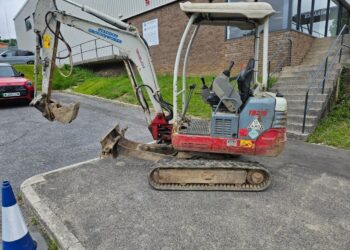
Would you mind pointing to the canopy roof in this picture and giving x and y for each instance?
(241, 14)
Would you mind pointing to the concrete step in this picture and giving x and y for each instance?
(319, 52)
(300, 111)
(305, 83)
(301, 104)
(301, 96)
(321, 46)
(300, 90)
(310, 119)
(298, 126)
(323, 41)
(316, 60)
(295, 81)
(308, 75)
(296, 135)
(307, 69)
(299, 68)
(305, 77)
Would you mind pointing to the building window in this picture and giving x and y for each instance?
(304, 22)
(28, 24)
(319, 18)
(278, 21)
(333, 18)
(344, 18)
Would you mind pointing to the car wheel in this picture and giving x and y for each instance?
(30, 62)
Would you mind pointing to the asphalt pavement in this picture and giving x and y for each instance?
(108, 204)
(30, 145)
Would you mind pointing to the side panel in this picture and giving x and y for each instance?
(256, 117)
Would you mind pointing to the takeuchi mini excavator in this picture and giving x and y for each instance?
(188, 154)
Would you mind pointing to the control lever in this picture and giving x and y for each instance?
(205, 91)
(227, 72)
(204, 86)
(192, 87)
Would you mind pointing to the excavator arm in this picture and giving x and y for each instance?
(132, 47)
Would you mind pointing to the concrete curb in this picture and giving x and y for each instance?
(49, 220)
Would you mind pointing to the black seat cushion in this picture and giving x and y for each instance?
(244, 80)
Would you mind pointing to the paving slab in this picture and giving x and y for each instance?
(108, 204)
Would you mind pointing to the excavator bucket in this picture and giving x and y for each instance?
(53, 111)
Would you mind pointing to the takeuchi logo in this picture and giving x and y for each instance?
(106, 34)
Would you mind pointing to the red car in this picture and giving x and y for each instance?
(13, 85)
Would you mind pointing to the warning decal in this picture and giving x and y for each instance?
(47, 41)
(256, 125)
(253, 134)
(246, 144)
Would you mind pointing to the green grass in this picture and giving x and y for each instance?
(119, 88)
(334, 129)
(59, 82)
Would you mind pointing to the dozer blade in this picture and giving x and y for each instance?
(209, 175)
(114, 143)
(54, 111)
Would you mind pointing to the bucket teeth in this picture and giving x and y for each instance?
(53, 111)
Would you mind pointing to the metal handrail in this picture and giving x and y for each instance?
(81, 51)
(324, 69)
(282, 62)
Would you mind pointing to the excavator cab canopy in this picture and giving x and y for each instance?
(244, 15)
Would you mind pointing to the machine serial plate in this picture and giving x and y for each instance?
(232, 143)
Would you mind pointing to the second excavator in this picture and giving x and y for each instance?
(188, 154)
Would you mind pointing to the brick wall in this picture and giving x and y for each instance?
(211, 52)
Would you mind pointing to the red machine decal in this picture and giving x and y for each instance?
(257, 112)
(243, 132)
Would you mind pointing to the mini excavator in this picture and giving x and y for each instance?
(188, 154)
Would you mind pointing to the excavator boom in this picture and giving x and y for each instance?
(48, 21)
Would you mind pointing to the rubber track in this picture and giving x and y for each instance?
(211, 164)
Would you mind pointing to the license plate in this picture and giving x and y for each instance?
(11, 94)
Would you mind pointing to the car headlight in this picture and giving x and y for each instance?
(29, 84)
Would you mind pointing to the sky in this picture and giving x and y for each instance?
(8, 10)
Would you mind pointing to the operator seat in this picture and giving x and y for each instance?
(222, 90)
(244, 80)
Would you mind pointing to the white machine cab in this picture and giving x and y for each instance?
(243, 15)
(235, 14)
